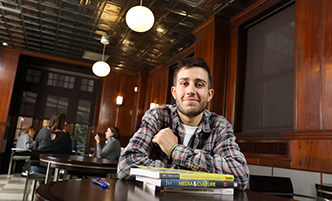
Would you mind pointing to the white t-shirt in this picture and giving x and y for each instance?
(189, 132)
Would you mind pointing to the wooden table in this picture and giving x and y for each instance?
(121, 190)
(76, 163)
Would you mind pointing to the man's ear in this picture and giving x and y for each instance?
(173, 92)
(210, 94)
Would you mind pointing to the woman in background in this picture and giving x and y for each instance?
(112, 147)
(25, 140)
(53, 139)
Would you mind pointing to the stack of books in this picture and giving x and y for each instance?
(184, 181)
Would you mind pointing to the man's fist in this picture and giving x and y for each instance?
(165, 139)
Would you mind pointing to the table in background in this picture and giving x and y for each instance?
(76, 163)
(120, 190)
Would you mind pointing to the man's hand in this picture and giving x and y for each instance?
(165, 139)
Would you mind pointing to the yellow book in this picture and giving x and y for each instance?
(168, 173)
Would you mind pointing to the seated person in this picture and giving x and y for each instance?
(25, 140)
(112, 147)
(53, 139)
(72, 139)
(186, 135)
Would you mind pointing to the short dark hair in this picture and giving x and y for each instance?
(190, 62)
(57, 121)
(116, 132)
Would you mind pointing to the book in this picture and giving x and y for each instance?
(169, 173)
(193, 196)
(189, 182)
(203, 190)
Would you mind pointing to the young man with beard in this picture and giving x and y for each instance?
(186, 135)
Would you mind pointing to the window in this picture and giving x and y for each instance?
(56, 104)
(58, 90)
(268, 100)
(80, 134)
(59, 80)
(33, 76)
(83, 111)
(87, 85)
(28, 102)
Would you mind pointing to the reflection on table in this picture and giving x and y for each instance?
(76, 163)
(120, 190)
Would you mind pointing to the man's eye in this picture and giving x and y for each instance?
(200, 85)
(183, 83)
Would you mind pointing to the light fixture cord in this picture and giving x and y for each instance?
(102, 57)
(141, 2)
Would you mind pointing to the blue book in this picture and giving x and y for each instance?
(188, 182)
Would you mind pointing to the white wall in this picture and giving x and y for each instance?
(303, 181)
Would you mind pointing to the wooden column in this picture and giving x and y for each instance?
(313, 85)
(8, 68)
(212, 46)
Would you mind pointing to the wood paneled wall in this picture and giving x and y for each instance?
(117, 83)
(313, 84)
(212, 46)
(313, 65)
(310, 139)
(159, 87)
(8, 67)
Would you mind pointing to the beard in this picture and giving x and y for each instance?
(192, 111)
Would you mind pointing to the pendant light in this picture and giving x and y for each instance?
(140, 18)
(101, 68)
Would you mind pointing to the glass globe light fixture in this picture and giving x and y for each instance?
(140, 18)
(101, 68)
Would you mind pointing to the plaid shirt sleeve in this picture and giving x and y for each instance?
(140, 149)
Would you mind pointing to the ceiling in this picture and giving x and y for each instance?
(72, 29)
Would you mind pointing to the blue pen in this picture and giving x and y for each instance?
(100, 183)
(108, 184)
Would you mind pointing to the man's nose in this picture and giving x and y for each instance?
(191, 89)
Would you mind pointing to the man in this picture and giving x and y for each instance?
(185, 135)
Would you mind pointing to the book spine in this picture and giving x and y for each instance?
(199, 183)
(220, 191)
(219, 177)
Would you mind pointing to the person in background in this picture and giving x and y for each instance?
(73, 142)
(186, 135)
(72, 138)
(25, 140)
(112, 147)
(53, 139)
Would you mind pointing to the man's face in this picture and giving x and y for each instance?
(191, 91)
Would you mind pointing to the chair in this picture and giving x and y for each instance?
(281, 186)
(33, 176)
(18, 154)
(323, 192)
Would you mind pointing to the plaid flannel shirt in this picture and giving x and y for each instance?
(211, 149)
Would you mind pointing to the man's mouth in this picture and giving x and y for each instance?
(191, 100)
